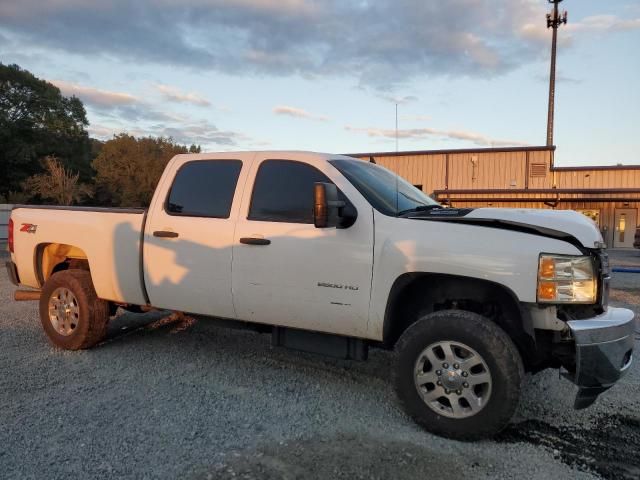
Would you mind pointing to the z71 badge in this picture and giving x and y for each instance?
(28, 227)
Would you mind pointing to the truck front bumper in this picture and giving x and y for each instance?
(604, 352)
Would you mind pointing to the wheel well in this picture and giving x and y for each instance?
(416, 294)
(54, 257)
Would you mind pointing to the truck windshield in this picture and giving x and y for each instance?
(387, 192)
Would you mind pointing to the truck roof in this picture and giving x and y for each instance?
(301, 154)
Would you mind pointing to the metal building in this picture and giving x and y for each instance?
(524, 177)
(5, 212)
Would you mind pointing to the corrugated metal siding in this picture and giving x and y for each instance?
(547, 180)
(5, 212)
(501, 170)
(511, 170)
(598, 179)
(469, 170)
(495, 170)
(425, 170)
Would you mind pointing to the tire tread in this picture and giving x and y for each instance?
(502, 348)
(94, 312)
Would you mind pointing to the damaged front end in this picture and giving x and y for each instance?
(593, 343)
(603, 352)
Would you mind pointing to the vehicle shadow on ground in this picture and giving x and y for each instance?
(169, 327)
(336, 457)
(127, 323)
(611, 448)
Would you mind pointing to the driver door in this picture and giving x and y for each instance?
(287, 272)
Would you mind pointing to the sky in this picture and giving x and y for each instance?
(327, 75)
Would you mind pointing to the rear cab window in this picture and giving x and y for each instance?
(204, 188)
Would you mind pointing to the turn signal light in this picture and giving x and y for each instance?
(547, 267)
(547, 291)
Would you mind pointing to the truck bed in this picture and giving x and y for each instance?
(110, 239)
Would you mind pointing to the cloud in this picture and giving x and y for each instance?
(400, 100)
(560, 78)
(423, 133)
(94, 96)
(206, 134)
(298, 113)
(383, 43)
(416, 118)
(116, 105)
(604, 23)
(117, 111)
(101, 132)
(537, 32)
(278, 7)
(201, 133)
(175, 95)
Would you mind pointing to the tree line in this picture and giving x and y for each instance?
(47, 155)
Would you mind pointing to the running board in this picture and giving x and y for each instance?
(336, 346)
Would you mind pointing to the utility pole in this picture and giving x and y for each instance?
(554, 20)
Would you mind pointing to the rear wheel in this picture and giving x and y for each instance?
(458, 374)
(72, 315)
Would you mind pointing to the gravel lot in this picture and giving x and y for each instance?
(172, 399)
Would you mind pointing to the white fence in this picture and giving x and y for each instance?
(5, 211)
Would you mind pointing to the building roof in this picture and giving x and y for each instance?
(532, 148)
(454, 150)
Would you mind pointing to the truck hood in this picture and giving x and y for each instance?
(566, 225)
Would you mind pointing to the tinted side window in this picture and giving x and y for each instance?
(283, 192)
(204, 188)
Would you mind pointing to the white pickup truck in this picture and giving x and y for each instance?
(335, 255)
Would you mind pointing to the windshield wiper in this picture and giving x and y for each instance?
(419, 208)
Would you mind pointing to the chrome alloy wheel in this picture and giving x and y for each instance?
(64, 312)
(452, 379)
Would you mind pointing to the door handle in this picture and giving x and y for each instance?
(255, 241)
(164, 234)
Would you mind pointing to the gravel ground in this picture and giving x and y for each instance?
(185, 399)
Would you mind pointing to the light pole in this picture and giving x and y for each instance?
(554, 20)
(396, 127)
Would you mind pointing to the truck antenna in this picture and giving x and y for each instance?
(397, 186)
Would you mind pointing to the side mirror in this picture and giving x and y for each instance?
(326, 205)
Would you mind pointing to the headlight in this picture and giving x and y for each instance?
(566, 279)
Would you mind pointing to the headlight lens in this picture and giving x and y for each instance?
(566, 279)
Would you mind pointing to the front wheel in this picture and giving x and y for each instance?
(458, 374)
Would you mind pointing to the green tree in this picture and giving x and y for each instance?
(37, 121)
(57, 184)
(128, 169)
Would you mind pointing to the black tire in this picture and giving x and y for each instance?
(491, 343)
(93, 313)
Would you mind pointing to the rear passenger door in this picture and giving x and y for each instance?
(286, 271)
(189, 235)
